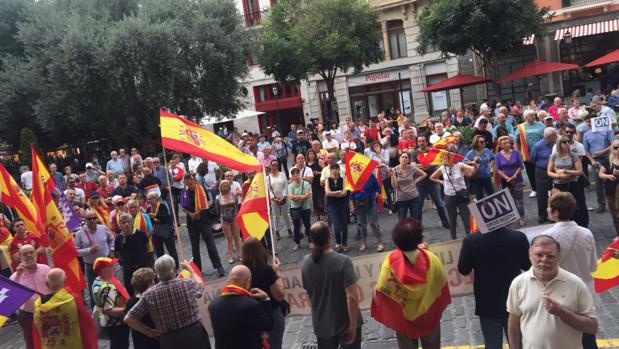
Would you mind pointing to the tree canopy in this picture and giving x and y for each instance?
(489, 28)
(79, 70)
(319, 37)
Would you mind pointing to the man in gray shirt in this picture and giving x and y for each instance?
(331, 283)
(93, 241)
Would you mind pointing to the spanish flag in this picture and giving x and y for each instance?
(524, 146)
(253, 217)
(410, 296)
(359, 168)
(439, 157)
(63, 322)
(186, 274)
(14, 197)
(64, 254)
(200, 199)
(180, 134)
(607, 274)
(380, 199)
(5, 255)
(444, 142)
(103, 215)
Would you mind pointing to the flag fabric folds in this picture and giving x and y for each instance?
(253, 217)
(14, 197)
(439, 157)
(380, 199)
(524, 146)
(607, 274)
(5, 256)
(63, 251)
(180, 134)
(65, 207)
(186, 274)
(359, 168)
(13, 296)
(200, 198)
(474, 227)
(102, 214)
(63, 322)
(410, 297)
(444, 142)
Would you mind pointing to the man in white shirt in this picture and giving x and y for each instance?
(440, 133)
(26, 177)
(306, 173)
(193, 163)
(330, 144)
(578, 255)
(548, 306)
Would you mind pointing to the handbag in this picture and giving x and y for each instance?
(279, 201)
(463, 194)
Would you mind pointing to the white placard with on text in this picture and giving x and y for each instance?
(601, 123)
(494, 211)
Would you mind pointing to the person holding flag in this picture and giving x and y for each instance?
(364, 206)
(75, 329)
(111, 300)
(195, 204)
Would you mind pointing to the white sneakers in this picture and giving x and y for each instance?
(533, 194)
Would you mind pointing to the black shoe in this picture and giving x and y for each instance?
(446, 226)
(542, 220)
(600, 209)
(289, 233)
(220, 272)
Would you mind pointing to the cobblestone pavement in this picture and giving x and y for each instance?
(459, 326)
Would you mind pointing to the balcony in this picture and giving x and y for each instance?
(383, 4)
(571, 3)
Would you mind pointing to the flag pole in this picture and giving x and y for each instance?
(174, 218)
(268, 197)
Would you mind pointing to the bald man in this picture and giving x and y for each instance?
(240, 315)
(34, 276)
(77, 330)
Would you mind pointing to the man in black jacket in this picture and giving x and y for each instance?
(240, 315)
(497, 258)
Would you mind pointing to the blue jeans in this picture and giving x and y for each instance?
(305, 216)
(412, 206)
(338, 215)
(479, 185)
(435, 194)
(493, 329)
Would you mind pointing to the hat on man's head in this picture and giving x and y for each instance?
(89, 164)
(103, 262)
(94, 194)
(327, 133)
(548, 117)
(118, 198)
(300, 131)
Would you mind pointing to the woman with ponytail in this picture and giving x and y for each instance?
(331, 283)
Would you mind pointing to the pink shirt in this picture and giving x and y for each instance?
(34, 280)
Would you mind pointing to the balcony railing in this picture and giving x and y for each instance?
(253, 19)
(570, 3)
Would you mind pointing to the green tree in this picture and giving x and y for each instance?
(491, 29)
(26, 139)
(96, 69)
(319, 37)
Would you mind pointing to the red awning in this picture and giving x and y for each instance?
(456, 81)
(537, 67)
(609, 58)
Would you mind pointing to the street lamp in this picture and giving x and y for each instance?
(276, 93)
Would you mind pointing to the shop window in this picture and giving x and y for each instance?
(397, 39)
(439, 101)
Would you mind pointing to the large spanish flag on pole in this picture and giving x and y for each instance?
(63, 251)
(180, 134)
(607, 274)
(359, 168)
(439, 157)
(444, 142)
(14, 197)
(410, 296)
(253, 217)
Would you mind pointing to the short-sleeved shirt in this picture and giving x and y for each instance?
(336, 186)
(609, 186)
(405, 183)
(171, 304)
(453, 179)
(264, 278)
(300, 189)
(539, 328)
(106, 296)
(566, 163)
(132, 249)
(28, 239)
(325, 282)
(34, 279)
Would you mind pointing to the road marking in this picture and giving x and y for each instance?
(602, 343)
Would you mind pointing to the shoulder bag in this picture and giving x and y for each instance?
(279, 201)
(462, 194)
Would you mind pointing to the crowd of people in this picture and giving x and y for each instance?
(130, 205)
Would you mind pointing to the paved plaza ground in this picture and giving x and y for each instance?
(460, 327)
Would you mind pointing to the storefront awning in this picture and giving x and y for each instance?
(608, 58)
(589, 29)
(456, 81)
(537, 67)
(209, 120)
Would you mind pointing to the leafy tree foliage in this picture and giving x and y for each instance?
(318, 37)
(490, 28)
(95, 69)
(26, 139)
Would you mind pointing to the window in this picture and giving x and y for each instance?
(379, 37)
(251, 11)
(397, 39)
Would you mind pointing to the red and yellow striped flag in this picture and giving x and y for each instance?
(14, 197)
(439, 157)
(103, 215)
(607, 274)
(444, 142)
(359, 168)
(524, 146)
(200, 199)
(410, 296)
(380, 199)
(253, 217)
(63, 251)
(186, 274)
(180, 134)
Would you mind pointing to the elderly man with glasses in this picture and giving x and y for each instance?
(94, 240)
